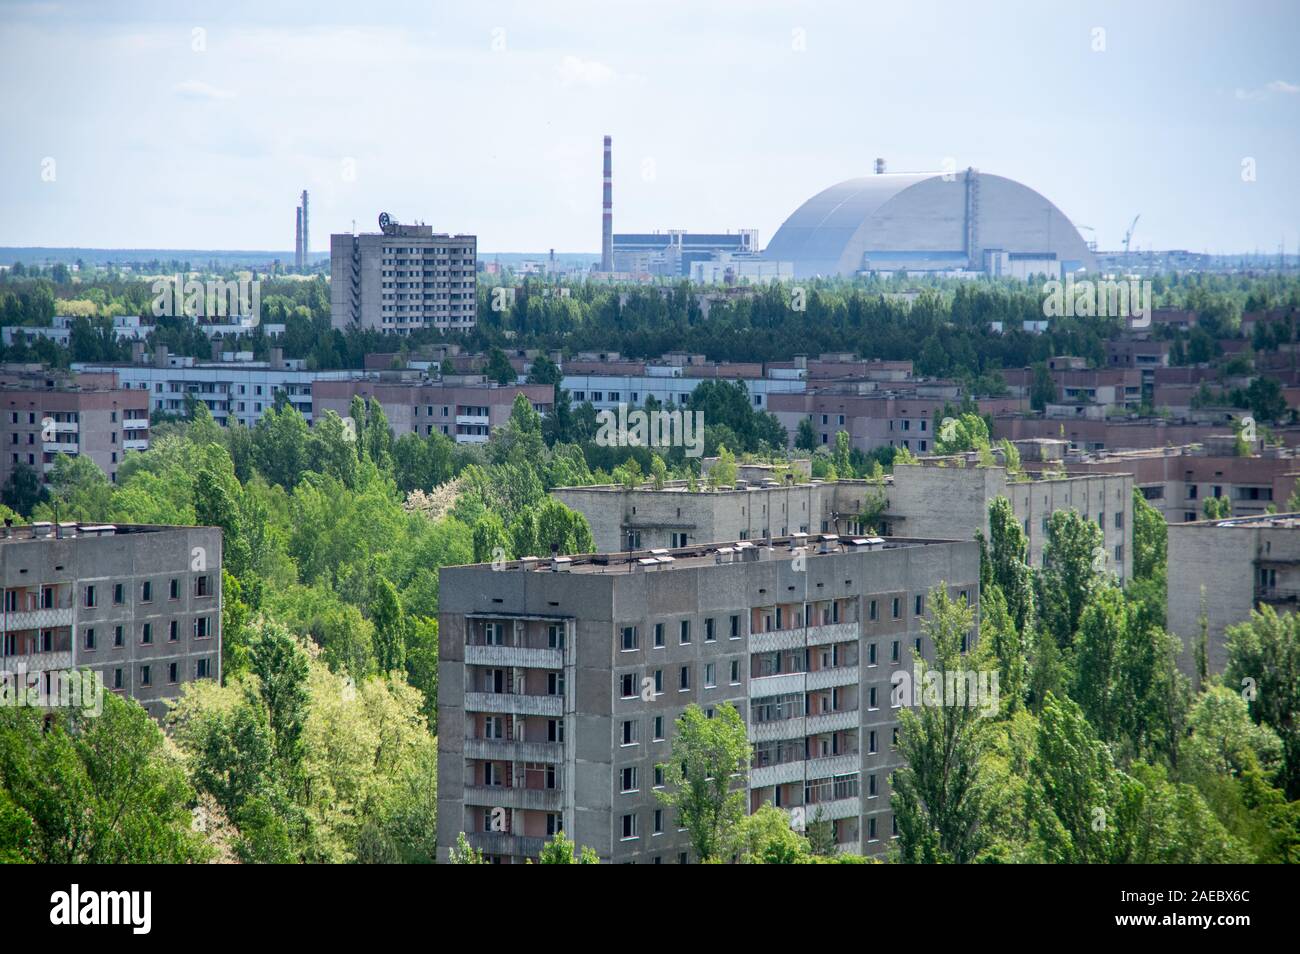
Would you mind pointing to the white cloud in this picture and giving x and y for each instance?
(1282, 86)
(1277, 86)
(576, 72)
(197, 89)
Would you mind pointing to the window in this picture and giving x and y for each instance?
(203, 586)
(919, 604)
(146, 676)
(871, 785)
(894, 651)
(735, 627)
(628, 686)
(630, 733)
(173, 672)
(659, 821)
(202, 627)
(709, 634)
(90, 638)
(659, 681)
(659, 635)
(174, 589)
(90, 597)
(684, 679)
(628, 779)
(871, 698)
(119, 639)
(629, 827)
(710, 675)
(685, 631)
(871, 742)
(871, 828)
(117, 678)
(659, 728)
(871, 654)
(118, 594)
(630, 640)
(146, 635)
(871, 611)
(146, 592)
(555, 683)
(555, 636)
(173, 631)
(898, 608)
(735, 672)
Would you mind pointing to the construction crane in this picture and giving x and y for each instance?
(1128, 236)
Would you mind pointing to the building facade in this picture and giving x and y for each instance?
(561, 681)
(403, 279)
(1220, 570)
(139, 605)
(464, 410)
(45, 414)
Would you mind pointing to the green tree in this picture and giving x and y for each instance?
(939, 798)
(1070, 576)
(1150, 539)
(806, 436)
(1263, 660)
(709, 757)
(561, 851)
(766, 838)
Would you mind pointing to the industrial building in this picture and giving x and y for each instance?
(673, 253)
(139, 605)
(561, 680)
(403, 278)
(962, 221)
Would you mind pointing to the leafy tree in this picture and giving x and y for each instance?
(81, 788)
(1069, 577)
(392, 626)
(806, 438)
(545, 371)
(708, 756)
(939, 798)
(22, 490)
(1263, 659)
(723, 473)
(561, 851)
(1150, 538)
(499, 368)
(463, 853)
(766, 838)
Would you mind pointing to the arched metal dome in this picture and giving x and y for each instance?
(925, 221)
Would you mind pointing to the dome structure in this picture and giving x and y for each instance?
(929, 221)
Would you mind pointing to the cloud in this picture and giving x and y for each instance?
(576, 72)
(197, 89)
(1276, 86)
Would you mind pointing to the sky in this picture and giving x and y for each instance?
(196, 125)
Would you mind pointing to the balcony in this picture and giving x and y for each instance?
(71, 448)
(779, 729)
(508, 750)
(803, 636)
(761, 686)
(836, 809)
(514, 656)
(826, 678)
(508, 703)
(812, 769)
(504, 843)
(833, 721)
(135, 424)
(503, 796)
(37, 662)
(473, 419)
(36, 619)
(135, 444)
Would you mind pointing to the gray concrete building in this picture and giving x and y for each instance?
(921, 500)
(139, 605)
(561, 681)
(402, 279)
(1224, 569)
(925, 500)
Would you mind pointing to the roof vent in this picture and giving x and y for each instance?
(880, 167)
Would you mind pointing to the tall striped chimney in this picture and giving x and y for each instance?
(306, 235)
(297, 239)
(607, 214)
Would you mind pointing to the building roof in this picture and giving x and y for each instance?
(902, 215)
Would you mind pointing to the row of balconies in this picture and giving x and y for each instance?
(788, 772)
(802, 681)
(509, 703)
(514, 656)
(803, 636)
(803, 725)
(513, 750)
(504, 796)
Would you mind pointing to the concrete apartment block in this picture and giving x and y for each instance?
(922, 500)
(140, 605)
(928, 500)
(561, 680)
(465, 412)
(47, 414)
(1224, 569)
(402, 279)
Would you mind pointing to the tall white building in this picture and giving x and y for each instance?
(402, 279)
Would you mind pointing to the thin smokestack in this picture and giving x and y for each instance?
(607, 213)
(297, 239)
(306, 234)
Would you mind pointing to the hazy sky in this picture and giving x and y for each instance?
(196, 125)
